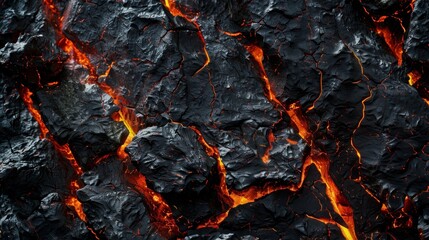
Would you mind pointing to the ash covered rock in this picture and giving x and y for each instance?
(80, 114)
(171, 158)
(113, 209)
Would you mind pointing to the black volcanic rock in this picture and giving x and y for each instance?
(33, 56)
(379, 140)
(284, 214)
(416, 43)
(171, 158)
(80, 115)
(253, 77)
(33, 177)
(112, 208)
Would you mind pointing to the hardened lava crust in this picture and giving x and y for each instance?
(214, 119)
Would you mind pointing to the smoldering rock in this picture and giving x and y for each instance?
(321, 55)
(176, 164)
(243, 148)
(80, 115)
(422, 204)
(49, 219)
(24, 157)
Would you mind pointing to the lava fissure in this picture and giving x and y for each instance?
(175, 11)
(64, 150)
(394, 42)
(159, 210)
(317, 157)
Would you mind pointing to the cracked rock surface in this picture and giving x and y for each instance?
(167, 119)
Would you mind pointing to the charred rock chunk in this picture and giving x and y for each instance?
(112, 208)
(171, 158)
(416, 43)
(80, 115)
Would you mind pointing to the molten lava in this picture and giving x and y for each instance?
(71, 201)
(266, 157)
(394, 38)
(413, 77)
(222, 189)
(160, 212)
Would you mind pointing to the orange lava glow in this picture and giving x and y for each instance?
(81, 58)
(338, 201)
(413, 77)
(395, 44)
(266, 157)
(358, 126)
(64, 150)
(403, 214)
(213, 152)
(74, 203)
(343, 230)
(258, 55)
(159, 209)
(395, 41)
(320, 92)
(174, 10)
(252, 193)
(71, 201)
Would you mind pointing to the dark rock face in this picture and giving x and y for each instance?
(33, 179)
(416, 43)
(171, 158)
(106, 192)
(166, 119)
(82, 121)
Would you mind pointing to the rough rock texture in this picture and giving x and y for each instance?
(166, 119)
(82, 121)
(416, 44)
(105, 191)
(171, 158)
(33, 177)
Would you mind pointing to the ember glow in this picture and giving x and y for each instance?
(214, 120)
